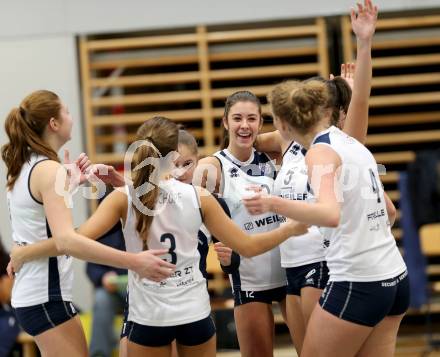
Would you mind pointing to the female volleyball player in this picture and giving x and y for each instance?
(257, 281)
(304, 257)
(367, 294)
(42, 291)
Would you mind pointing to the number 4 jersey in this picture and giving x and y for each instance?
(182, 298)
(362, 247)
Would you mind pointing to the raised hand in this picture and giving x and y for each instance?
(83, 163)
(363, 22)
(77, 170)
(347, 72)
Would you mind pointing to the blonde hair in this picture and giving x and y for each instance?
(299, 104)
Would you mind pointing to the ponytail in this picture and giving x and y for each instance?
(339, 96)
(148, 174)
(25, 126)
(161, 135)
(300, 104)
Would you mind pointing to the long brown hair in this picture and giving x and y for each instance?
(163, 134)
(300, 104)
(234, 98)
(25, 126)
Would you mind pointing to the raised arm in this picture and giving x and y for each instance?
(322, 163)
(271, 142)
(226, 231)
(363, 24)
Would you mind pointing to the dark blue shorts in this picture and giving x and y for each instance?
(191, 334)
(314, 275)
(367, 303)
(37, 319)
(265, 296)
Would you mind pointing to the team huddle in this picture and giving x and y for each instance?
(297, 216)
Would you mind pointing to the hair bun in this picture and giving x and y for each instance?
(300, 104)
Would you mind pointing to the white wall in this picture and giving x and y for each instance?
(32, 18)
(38, 50)
(36, 63)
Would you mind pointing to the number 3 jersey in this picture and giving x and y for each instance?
(292, 184)
(264, 271)
(362, 247)
(183, 297)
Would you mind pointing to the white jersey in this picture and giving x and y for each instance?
(182, 298)
(45, 279)
(264, 271)
(362, 247)
(292, 183)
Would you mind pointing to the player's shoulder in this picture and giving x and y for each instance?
(48, 170)
(210, 160)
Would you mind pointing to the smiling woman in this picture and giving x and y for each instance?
(242, 120)
(257, 281)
